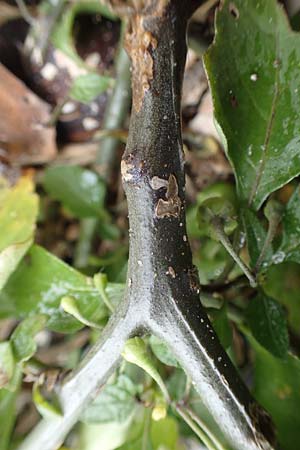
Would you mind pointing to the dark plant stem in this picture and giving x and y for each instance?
(162, 295)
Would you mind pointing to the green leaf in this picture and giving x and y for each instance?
(18, 213)
(48, 410)
(114, 404)
(277, 388)
(106, 436)
(7, 364)
(69, 305)
(256, 236)
(135, 352)
(22, 339)
(7, 417)
(164, 434)
(253, 70)
(290, 246)
(162, 352)
(268, 324)
(282, 282)
(80, 190)
(86, 88)
(39, 284)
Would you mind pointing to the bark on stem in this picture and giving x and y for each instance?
(162, 281)
(162, 294)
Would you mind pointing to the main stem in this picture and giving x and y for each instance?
(163, 287)
(162, 295)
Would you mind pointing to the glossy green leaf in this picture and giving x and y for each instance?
(253, 70)
(277, 388)
(135, 352)
(18, 213)
(290, 246)
(267, 322)
(39, 284)
(282, 282)
(86, 88)
(22, 339)
(162, 352)
(115, 403)
(7, 363)
(80, 190)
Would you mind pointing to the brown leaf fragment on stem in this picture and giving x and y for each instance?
(172, 205)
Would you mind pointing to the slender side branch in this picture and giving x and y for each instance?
(84, 384)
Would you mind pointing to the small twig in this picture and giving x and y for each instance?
(25, 13)
(115, 114)
(204, 427)
(228, 246)
(147, 428)
(196, 429)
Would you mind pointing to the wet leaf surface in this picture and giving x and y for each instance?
(254, 76)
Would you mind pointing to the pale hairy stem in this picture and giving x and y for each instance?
(80, 389)
(162, 295)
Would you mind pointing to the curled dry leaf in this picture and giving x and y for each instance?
(24, 137)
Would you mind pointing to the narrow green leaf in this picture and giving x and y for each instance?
(7, 417)
(69, 305)
(22, 339)
(80, 190)
(39, 284)
(268, 324)
(86, 88)
(47, 409)
(135, 352)
(254, 77)
(18, 213)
